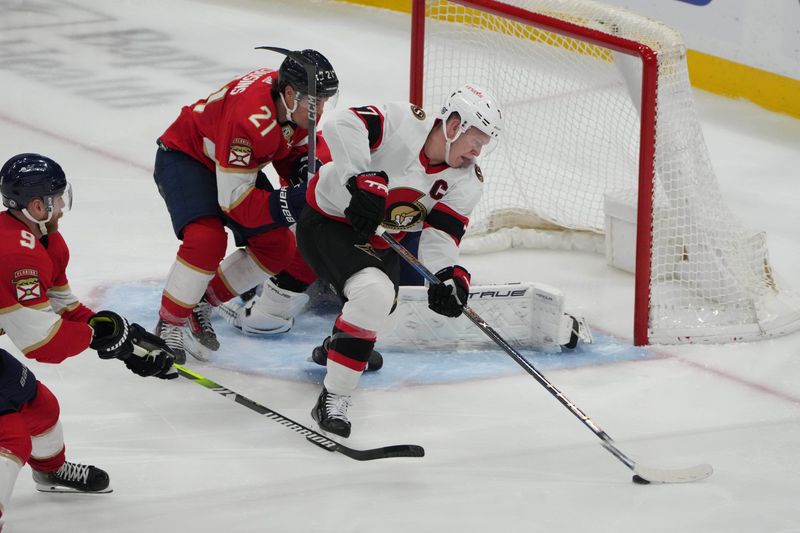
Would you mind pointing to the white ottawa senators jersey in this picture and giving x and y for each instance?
(435, 199)
(37, 309)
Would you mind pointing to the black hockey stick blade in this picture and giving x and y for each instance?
(384, 452)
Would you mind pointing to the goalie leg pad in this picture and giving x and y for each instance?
(271, 314)
(528, 315)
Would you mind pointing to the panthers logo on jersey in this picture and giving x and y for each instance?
(403, 209)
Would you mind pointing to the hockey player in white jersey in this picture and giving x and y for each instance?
(395, 166)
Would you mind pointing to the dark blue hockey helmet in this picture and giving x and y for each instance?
(28, 176)
(293, 73)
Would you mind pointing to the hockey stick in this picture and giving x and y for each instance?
(642, 474)
(311, 128)
(384, 452)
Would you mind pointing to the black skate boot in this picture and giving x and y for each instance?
(72, 477)
(173, 336)
(320, 356)
(203, 340)
(331, 413)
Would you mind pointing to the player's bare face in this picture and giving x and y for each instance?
(467, 147)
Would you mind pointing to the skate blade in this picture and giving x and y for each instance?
(59, 489)
(193, 347)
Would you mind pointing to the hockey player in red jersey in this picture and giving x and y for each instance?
(47, 323)
(394, 166)
(208, 170)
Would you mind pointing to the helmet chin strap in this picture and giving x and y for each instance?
(292, 110)
(40, 223)
(448, 142)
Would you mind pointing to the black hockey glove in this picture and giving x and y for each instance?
(449, 297)
(286, 204)
(367, 203)
(112, 335)
(299, 172)
(151, 355)
(144, 354)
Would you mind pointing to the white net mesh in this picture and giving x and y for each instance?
(571, 135)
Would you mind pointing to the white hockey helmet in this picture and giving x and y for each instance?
(477, 108)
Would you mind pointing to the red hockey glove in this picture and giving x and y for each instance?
(449, 297)
(368, 202)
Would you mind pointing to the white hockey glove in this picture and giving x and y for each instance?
(271, 314)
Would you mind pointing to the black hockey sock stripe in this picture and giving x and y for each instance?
(351, 347)
(284, 280)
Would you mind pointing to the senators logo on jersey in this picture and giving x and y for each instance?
(403, 209)
(417, 112)
(478, 173)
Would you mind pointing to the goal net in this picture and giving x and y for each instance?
(597, 103)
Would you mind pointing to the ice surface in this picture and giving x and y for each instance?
(92, 84)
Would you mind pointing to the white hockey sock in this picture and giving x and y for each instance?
(48, 444)
(10, 465)
(241, 272)
(186, 284)
(340, 379)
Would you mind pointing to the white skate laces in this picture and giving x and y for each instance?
(336, 405)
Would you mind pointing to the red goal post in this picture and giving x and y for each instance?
(699, 275)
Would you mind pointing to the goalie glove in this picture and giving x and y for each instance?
(144, 354)
(449, 297)
(368, 202)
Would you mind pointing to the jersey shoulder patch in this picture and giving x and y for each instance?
(26, 284)
(478, 173)
(240, 152)
(418, 112)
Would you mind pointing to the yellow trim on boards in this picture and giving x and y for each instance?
(728, 78)
(707, 72)
(395, 5)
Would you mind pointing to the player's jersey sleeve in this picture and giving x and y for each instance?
(351, 135)
(445, 225)
(240, 152)
(62, 300)
(26, 314)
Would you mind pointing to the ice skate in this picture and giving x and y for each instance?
(202, 340)
(320, 356)
(330, 413)
(174, 337)
(73, 477)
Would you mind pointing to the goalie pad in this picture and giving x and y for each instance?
(270, 314)
(527, 315)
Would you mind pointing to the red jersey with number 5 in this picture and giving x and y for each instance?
(37, 308)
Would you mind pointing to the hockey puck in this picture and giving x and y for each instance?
(640, 480)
